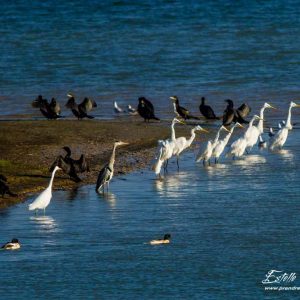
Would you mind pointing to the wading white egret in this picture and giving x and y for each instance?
(221, 144)
(254, 132)
(280, 137)
(107, 172)
(43, 200)
(183, 143)
(207, 153)
(238, 147)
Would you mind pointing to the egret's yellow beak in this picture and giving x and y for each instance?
(272, 106)
(204, 130)
(240, 125)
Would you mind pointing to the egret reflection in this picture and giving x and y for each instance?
(110, 198)
(45, 222)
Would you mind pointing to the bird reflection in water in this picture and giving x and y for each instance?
(250, 160)
(109, 197)
(45, 222)
(286, 154)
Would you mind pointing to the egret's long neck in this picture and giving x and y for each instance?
(173, 137)
(227, 137)
(217, 137)
(52, 178)
(191, 139)
(260, 124)
(288, 123)
(112, 158)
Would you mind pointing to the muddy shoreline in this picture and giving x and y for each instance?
(28, 147)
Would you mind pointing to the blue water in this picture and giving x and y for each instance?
(230, 224)
(120, 50)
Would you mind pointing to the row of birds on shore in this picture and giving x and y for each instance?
(145, 108)
(214, 148)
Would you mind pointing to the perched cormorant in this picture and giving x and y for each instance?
(49, 110)
(181, 111)
(71, 166)
(235, 115)
(80, 110)
(207, 111)
(4, 188)
(107, 172)
(146, 109)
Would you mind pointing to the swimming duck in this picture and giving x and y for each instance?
(49, 110)
(80, 110)
(165, 240)
(181, 111)
(146, 109)
(4, 188)
(13, 245)
(207, 111)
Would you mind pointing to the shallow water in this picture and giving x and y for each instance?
(120, 50)
(230, 224)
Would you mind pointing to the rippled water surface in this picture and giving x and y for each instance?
(120, 50)
(230, 224)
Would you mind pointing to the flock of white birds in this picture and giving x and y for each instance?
(213, 149)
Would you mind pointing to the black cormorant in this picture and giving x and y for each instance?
(207, 111)
(71, 166)
(4, 188)
(146, 109)
(181, 111)
(235, 115)
(49, 110)
(80, 110)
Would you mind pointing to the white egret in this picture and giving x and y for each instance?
(183, 143)
(238, 147)
(207, 153)
(221, 144)
(254, 132)
(43, 200)
(279, 139)
(107, 172)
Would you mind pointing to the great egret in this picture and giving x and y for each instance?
(43, 200)
(117, 108)
(279, 139)
(254, 132)
(221, 144)
(182, 143)
(208, 150)
(181, 111)
(146, 109)
(238, 147)
(13, 245)
(107, 172)
(165, 240)
(207, 111)
(80, 110)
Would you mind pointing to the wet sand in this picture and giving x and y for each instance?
(28, 148)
